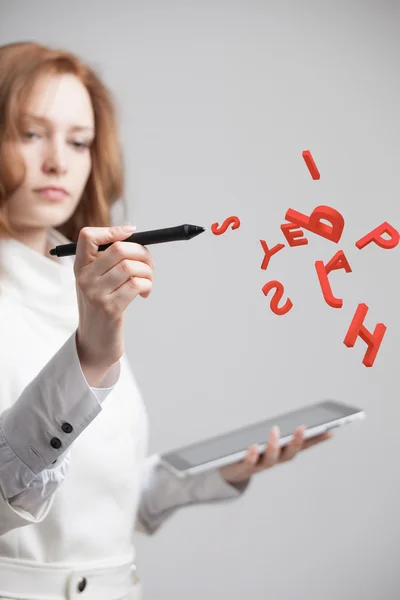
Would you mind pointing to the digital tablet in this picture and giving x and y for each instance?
(231, 447)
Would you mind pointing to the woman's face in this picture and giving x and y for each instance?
(58, 128)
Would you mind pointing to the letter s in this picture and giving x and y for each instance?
(235, 221)
(277, 297)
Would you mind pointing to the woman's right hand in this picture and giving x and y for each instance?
(106, 283)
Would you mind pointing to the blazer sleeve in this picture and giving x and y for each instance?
(162, 493)
(36, 433)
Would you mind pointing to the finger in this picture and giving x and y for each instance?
(294, 446)
(317, 439)
(251, 458)
(118, 252)
(90, 238)
(272, 451)
(126, 269)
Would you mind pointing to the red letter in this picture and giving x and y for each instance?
(312, 167)
(235, 224)
(376, 236)
(276, 297)
(339, 261)
(291, 235)
(373, 340)
(313, 222)
(269, 253)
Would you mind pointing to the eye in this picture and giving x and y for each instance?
(29, 135)
(81, 145)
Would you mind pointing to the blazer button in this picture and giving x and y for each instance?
(82, 584)
(56, 443)
(67, 428)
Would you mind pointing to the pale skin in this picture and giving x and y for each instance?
(54, 144)
(55, 147)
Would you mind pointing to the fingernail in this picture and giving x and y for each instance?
(128, 228)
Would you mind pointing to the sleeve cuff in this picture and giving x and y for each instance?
(49, 415)
(13, 517)
(163, 492)
(42, 487)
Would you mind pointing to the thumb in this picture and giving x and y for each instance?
(90, 238)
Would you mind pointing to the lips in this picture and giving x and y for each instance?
(53, 192)
(53, 188)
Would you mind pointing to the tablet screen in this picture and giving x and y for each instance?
(230, 443)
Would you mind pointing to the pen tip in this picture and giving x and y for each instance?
(53, 252)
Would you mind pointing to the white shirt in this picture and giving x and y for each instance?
(75, 481)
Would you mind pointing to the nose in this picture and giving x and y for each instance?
(55, 158)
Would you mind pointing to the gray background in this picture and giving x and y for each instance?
(218, 100)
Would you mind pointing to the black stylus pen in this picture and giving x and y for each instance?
(155, 236)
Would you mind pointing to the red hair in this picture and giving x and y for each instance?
(21, 64)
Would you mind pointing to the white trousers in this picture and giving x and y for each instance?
(135, 594)
(24, 580)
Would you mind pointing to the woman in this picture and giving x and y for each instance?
(75, 481)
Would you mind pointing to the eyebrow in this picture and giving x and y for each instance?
(47, 121)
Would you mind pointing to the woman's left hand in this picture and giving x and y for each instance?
(273, 455)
